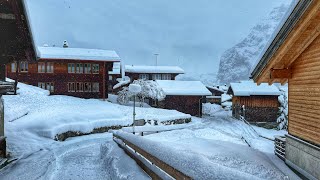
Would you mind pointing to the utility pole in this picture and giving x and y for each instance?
(156, 58)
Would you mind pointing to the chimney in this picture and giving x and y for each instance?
(65, 44)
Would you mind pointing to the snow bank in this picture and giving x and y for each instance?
(188, 88)
(34, 111)
(226, 160)
(210, 109)
(153, 69)
(77, 53)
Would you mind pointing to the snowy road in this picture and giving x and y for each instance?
(88, 157)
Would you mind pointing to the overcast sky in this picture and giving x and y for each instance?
(189, 33)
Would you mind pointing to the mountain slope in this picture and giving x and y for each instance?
(236, 62)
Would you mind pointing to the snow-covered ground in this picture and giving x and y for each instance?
(217, 142)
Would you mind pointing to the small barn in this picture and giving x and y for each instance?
(293, 56)
(215, 96)
(183, 96)
(257, 104)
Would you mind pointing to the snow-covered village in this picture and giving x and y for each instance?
(159, 89)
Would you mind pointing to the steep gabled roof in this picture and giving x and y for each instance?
(295, 35)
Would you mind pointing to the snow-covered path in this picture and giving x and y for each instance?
(87, 157)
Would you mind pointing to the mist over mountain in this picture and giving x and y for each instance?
(237, 62)
(192, 34)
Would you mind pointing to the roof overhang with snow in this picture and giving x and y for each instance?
(154, 69)
(58, 53)
(183, 88)
(296, 34)
(15, 32)
(249, 88)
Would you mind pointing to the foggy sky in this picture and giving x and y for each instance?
(189, 33)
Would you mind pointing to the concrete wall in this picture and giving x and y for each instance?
(303, 156)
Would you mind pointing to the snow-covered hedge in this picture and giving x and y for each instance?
(283, 109)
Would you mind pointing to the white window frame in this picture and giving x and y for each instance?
(156, 76)
(41, 67)
(71, 87)
(95, 87)
(87, 68)
(166, 76)
(50, 86)
(79, 87)
(87, 87)
(95, 68)
(42, 85)
(71, 68)
(79, 68)
(50, 67)
(144, 76)
(14, 67)
(24, 66)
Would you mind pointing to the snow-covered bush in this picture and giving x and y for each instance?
(283, 109)
(149, 89)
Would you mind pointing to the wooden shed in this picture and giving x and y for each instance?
(215, 96)
(183, 96)
(294, 57)
(257, 104)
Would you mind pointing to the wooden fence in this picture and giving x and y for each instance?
(153, 166)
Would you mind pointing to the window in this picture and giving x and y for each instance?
(49, 67)
(13, 67)
(41, 67)
(50, 86)
(42, 85)
(71, 87)
(110, 78)
(24, 66)
(71, 68)
(156, 77)
(166, 76)
(79, 87)
(79, 69)
(110, 87)
(95, 68)
(144, 76)
(87, 68)
(87, 87)
(95, 87)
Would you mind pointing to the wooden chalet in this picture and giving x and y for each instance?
(183, 96)
(67, 71)
(152, 72)
(294, 57)
(16, 43)
(215, 96)
(257, 104)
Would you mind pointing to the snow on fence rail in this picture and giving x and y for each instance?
(153, 166)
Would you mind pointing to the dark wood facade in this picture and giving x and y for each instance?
(61, 77)
(15, 34)
(187, 104)
(256, 109)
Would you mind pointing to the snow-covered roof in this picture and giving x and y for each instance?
(215, 88)
(183, 88)
(248, 88)
(77, 54)
(153, 69)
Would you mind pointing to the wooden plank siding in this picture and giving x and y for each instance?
(256, 101)
(304, 95)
